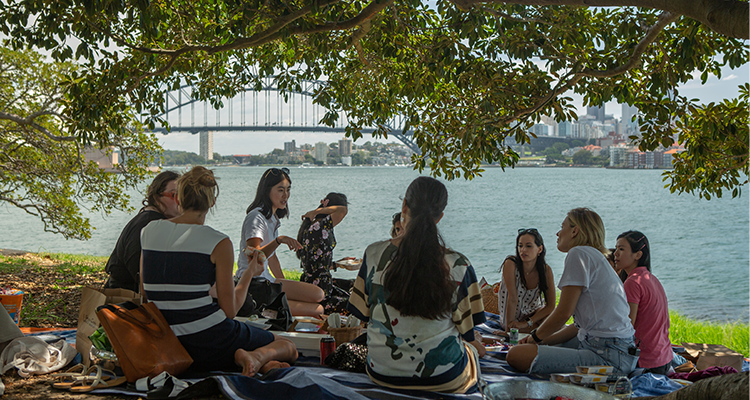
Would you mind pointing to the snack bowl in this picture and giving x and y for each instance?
(349, 263)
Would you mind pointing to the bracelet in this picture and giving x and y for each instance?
(535, 337)
(530, 322)
(277, 241)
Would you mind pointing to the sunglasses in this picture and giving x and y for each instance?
(525, 230)
(172, 195)
(277, 171)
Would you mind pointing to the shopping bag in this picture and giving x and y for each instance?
(143, 341)
(88, 322)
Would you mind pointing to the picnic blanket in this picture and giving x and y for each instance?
(308, 380)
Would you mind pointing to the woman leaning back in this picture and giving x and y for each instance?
(649, 310)
(591, 291)
(527, 293)
(181, 259)
(260, 230)
(421, 301)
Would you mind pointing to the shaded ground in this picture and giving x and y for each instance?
(52, 298)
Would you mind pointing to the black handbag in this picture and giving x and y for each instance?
(265, 299)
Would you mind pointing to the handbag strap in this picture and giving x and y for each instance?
(149, 310)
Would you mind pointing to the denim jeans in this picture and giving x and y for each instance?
(567, 356)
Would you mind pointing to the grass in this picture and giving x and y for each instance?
(735, 335)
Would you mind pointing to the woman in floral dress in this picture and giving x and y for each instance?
(316, 256)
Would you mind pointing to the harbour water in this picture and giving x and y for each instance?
(699, 248)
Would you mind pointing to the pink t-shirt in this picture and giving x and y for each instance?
(652, 320)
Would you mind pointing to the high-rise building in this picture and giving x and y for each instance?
(290, 147)
(597, 112)
(629, 126)
(345, 147)
(207, 145)
(321, 152)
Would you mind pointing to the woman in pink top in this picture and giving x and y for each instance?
(647, 300)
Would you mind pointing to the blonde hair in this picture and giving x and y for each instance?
(590, 228)
(197, 189)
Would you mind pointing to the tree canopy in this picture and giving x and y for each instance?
(467, 74)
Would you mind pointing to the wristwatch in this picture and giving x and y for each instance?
(535, 337)
(530, 322)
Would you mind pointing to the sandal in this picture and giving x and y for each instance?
(66, 379)
(98, 381)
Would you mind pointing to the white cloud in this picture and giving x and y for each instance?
(730, 77)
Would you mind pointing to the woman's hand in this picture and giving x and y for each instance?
(292, 243)
(256, 260)
(310, 214)
(517, 325)
(527, 339)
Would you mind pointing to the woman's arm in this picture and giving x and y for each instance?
(230, 300)
(275, 266)
(542, 313)
(337, 213)
(511, 303)
(568, 299)
(633, 312)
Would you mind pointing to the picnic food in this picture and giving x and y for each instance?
(251, 251)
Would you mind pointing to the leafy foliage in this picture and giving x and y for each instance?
(468, 77)
(43, 170)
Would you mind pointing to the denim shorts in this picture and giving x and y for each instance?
(567, 356)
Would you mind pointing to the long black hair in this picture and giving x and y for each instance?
(418, 281)
(540, 262)
(639, 242)
(270, 178)
(334, 199)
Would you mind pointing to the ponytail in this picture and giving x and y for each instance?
(418, 281)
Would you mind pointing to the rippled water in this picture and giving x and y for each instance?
(699, 248)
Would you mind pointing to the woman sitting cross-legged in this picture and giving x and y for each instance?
(590, 291)
(527, 292)
(649, 310)
(181, 259)
(421, 301)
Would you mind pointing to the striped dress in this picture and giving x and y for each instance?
(177, 274)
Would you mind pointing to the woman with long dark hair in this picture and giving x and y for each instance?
(260, 230)
(649, 310)
(527, 293)
(421, 301)
(181, 259)
(591, 292)
(316, 255)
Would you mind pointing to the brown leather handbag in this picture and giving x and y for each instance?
(144, 343)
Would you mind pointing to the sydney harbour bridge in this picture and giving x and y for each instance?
(267, 110)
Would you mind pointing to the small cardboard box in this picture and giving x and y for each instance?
(561, 378)
(710, 355)
(587, 378)
(595, 369)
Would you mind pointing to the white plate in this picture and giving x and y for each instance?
(261, 323)
(351, 265)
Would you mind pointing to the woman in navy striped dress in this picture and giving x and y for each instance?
(181, 259)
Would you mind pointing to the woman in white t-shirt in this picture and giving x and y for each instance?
(592, 293)
(260, 229)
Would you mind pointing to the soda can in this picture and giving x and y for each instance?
(513, 337)
(327, 347)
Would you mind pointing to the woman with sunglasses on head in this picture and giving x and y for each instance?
(527, 292)
(182, 259)
(421, 301)
(316, 256)
(260, 230)
(592, 293)
(649, 311)
(123, 265)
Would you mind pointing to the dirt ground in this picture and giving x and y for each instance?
(53, 298)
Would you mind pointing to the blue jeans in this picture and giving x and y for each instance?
(567, 356)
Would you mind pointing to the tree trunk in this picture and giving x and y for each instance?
(723, 387)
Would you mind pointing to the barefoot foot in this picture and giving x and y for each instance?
(272, 365)
(249, 362)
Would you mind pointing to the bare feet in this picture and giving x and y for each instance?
(249, 362)
(272, 365)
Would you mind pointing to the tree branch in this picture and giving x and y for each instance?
(30, 123)
(665, 19)
(727, 17)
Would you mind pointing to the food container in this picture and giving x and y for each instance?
(516, 389)
(12, 300)
(350, 264)
(595, 369)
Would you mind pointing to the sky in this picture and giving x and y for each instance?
(226, 143)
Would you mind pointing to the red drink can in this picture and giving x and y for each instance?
(327, 346)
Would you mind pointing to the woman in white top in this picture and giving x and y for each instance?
(592, 293)
(260, 229)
